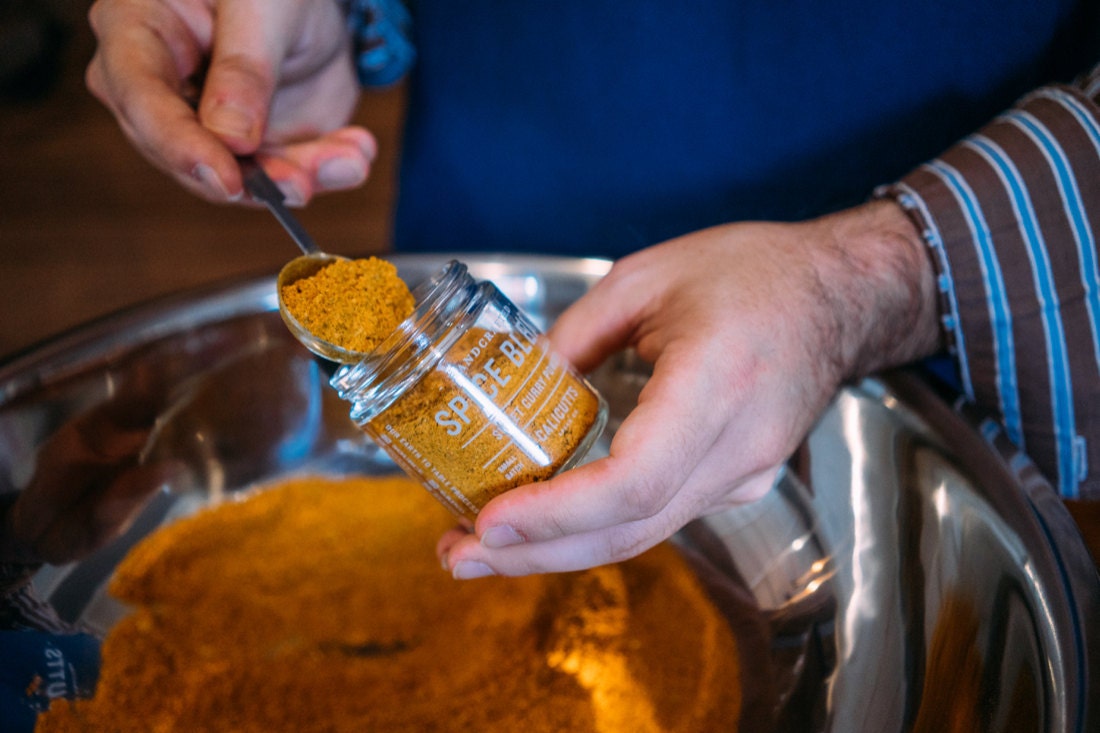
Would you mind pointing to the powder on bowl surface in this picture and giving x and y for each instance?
(318, 605)
(354, 304)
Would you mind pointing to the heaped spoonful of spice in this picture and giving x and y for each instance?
(342, 309)
(339, 308)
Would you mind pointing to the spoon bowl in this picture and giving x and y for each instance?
(302, 267)
(262, 189)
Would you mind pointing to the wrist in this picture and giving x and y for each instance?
(879, 285)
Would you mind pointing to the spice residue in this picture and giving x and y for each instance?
(318, 604)
(354, 304)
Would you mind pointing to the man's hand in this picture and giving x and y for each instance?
(273, 78)
(751, 329)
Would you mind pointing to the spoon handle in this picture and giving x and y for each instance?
(261, 188)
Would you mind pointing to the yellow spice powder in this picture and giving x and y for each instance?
(318, 605)
(354, 304)
(500, 410)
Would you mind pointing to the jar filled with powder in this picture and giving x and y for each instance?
(467, 396)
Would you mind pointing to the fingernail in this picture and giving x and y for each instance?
(206, 175)
(470, 569)
(291, 193)
(341, 173)
(230, 120)
(500, 536)
(369, 147)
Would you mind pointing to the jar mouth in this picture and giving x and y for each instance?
(431, 310)
(405, 355)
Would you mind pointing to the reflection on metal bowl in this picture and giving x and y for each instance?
(908, 573)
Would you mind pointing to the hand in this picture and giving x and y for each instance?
(751, 328)
(280, 82)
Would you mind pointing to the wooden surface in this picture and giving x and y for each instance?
(88, 227)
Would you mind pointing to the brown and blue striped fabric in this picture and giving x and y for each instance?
(1011, 215)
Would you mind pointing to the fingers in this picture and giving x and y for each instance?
(145, 54)
(677, 456)
(466, 556)
(334, 162)
(279, 81)
(645, 478)
(650, 458)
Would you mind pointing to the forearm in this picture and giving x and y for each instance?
(1012, 217)
(878, 284)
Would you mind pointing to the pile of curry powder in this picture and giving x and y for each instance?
(354, 304)
(318, 605)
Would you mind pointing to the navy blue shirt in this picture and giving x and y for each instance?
(596, 127)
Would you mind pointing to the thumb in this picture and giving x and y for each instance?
(249, 43)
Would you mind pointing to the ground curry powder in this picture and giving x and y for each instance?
(499, 410)
(351, 303)
(314, 605)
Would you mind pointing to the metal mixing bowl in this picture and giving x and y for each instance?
(903, 532)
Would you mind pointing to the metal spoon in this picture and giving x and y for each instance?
(262, 189)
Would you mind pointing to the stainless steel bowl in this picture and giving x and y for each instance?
(904, 534)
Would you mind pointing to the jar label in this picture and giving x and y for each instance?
(499, 410)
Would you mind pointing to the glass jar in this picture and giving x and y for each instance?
(468, 398)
